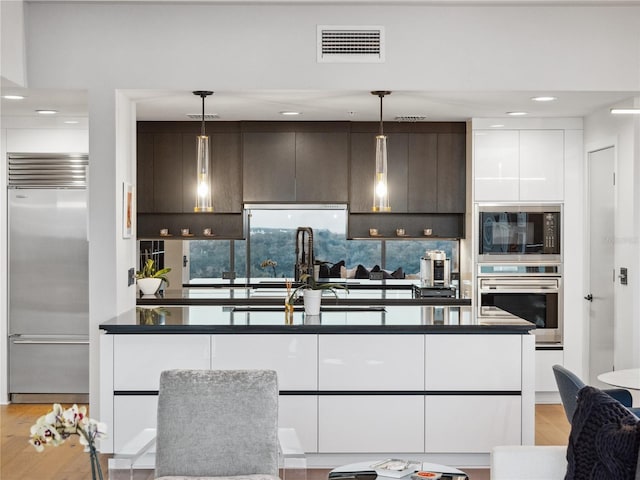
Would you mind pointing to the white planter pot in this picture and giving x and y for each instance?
(312, 302)
(149, 286)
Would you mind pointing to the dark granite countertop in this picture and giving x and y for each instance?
(272, 319)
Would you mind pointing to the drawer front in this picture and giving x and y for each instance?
(371, 362)
(367, 423)
(293, 357)
(139, 359)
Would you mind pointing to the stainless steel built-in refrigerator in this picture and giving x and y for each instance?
(48, 278)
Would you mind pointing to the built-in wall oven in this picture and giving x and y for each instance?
(530, 291)
(529, 233)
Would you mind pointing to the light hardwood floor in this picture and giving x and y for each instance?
(19, 460)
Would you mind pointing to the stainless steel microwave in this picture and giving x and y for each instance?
(526, 233)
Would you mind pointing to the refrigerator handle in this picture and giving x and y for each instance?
(51, 342)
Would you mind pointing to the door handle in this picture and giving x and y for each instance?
(184, 261)
(589, 297)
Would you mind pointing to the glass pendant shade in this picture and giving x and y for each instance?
(203, 180)
(203, 195)
(380, 187)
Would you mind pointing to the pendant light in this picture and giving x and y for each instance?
(380, 186)
(203, 192)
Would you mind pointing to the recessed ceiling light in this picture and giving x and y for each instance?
(543, 98)
(71, 122)
(517, 114)
(13, 97)
(46, 112)
(627, 111)
(497, 125)
(290, 113)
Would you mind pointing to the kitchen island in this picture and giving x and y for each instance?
(356, 382)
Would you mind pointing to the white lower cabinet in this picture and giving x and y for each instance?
(132, 414)
(293, 357)
(473, 362)
(370, 423)
(300, 412)
(545, 360)
(139, 359)
(371, 362)
(471, 423)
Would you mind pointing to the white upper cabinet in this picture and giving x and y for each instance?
(496, 168)
(541, 165)
(518, 165)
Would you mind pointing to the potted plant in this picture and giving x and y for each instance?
(312, 293)
(150, 278)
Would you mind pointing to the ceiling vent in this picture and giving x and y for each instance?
(207, 116)
(410, 118)
(340, 44)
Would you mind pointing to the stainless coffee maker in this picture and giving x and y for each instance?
(435, 269)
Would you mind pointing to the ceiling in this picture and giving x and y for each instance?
(321, 105)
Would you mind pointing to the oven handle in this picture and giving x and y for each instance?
(492, 284)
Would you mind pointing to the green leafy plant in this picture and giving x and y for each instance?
(309, 283)
(149, 271)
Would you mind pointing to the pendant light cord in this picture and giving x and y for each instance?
(381, 96)
(202, 128)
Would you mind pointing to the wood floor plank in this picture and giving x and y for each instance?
(20, 461)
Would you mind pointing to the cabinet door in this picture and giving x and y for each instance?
(144, 181)
(300, 412)
(132, 414)
(541, 165)
(545, 360)
(190, 171)
(293, 357)
(139, 359)
(269, 166)
(167, 172)
(371, 423)
(490, 362)
(362, 172)
(471, 423)
(423, 173)
(321, 166)
(496, 165)
(397, 171)
(451, 173)
(226, 168)
(371, 362)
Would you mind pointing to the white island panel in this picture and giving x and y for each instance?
(371, 362)
(471, 423)
(371, 424)
(132, 413)
(139, 359)
(473, 362)
(293, 357)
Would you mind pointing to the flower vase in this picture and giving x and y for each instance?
(312, 301)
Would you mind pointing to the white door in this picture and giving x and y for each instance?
(601, 261)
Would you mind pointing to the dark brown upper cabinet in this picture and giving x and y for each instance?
(166, 166)
(305, 162)
(425, 167)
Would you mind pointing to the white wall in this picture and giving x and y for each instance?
(602, 130)
(103, 47)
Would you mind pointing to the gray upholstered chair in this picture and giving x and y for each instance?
(217, 423)
(569, 384)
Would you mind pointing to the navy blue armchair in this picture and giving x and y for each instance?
(569, 384)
